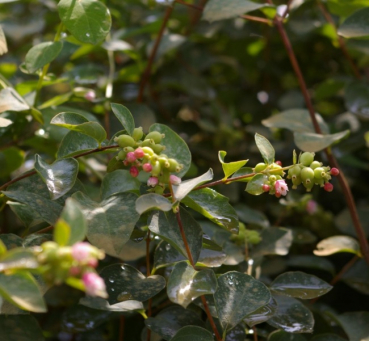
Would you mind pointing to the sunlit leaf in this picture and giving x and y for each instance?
(336, 244)
(152, 201)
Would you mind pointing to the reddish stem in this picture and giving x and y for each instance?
(121, 328)
(257, 19)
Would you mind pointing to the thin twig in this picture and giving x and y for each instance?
(332, 160)
(46, 229)
(147, 72)
(148, 273)
(122, 323)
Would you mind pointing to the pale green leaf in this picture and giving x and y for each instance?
(42, 54)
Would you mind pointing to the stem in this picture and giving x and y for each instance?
(109, 90)
(332, 160)
(341, 41)
(46, 229)
(121, 328)
(289, 3)
(147, 72)
(148, 273)
(75, 157)
(255, 333)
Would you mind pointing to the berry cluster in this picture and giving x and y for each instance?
(309, 173)
(146, 154)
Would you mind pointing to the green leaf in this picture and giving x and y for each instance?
(10, 159)
(344, 8)
(56, 101)
(110, 222)
(22, 290)
(42, 54)
(18, 258)
(357, 98)
(296, 120)
(311, 262)
(315, 142)
(292, 316)
(336, 244)
(214, 206)
(119, 181)
(265, 148)
(88, 20)
(72, 214)
(11, 240)
(185, 284)
(165, 225)
(59, 177)
(250, 216)
(274, 241)
(75, 143)
(185, 187)
(262, 314)
(356, 25)
(176, 148)
(124, 116)
(11, 100)
(121, 307)
(281, 335)
(255, 185)
(237, 296)
(124, 282)
(80, 124)
(20, 328)
(222, 9)
(355, 324)
(62, 232)
(192, 333)
(152, 201)
(170, 320)
(230, 167)
(167, 43)
(327, 337)
(241, 172)
(299, 284)
(2, 249)
(357, 277)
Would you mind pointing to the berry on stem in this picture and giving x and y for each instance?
(279, 163)
(147, 167)
(265, 188)
(131, 157)
(335, 171)
(139, 153)
(328, 187)
(134, 172)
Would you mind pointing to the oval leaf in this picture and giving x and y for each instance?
(192, 333)
(301, 285)
(119, 181)
(265, 148)
(152, 201)
(74, 143)
(262, 314)
(124, 116)
(356, 25)
(42, 54)
(337, 244)
(315, 142)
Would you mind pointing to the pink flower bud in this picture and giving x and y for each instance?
(279, 163)
(90, 95)
(74, 270)
(82, 252)
(139, 153)
(134, 172)
(174, 180)
(94, 285)
(93, 263)
(147, 167)
(334, 171)
(153, 181)
(131, 157)
(328, 187)
(265, 188)
(311, 206)
(281, 187)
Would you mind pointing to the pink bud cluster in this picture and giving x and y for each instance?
(278, 188)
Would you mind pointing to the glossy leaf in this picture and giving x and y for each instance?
(75, 143)
(230, 167)
(356, 25)
(170, 320)
(296, 120)
(119, 181)
(281, 335)
(213, 206)
(192, 333)
(124, 116)
(357, 277)
(110, 222)
(185, 284)
(184, 188)
(80, 124)
(274, 241)
(315, 142)
(152, 201)
(237, 296)
(254, 186)
(11, 240)
(262, 314)
(165, 225)
(223, 9)
(337, 244)
(299, 284)
(102, 304)
(175, 147)
(22, 290)
(42, 54)
(59, 176)
(292, 316)
(88, 20)
(20, 328)
(355, 325)
(11, 100)
(124, 282)
(251, 216)
(18, 258)
(265, 148)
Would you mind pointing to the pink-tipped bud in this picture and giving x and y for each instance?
(94, 285)
(265, 188)
(328, 187)
(335, 171)
(134, 172)
(93, 263)
(82, 252)
(147, 167)
(153, 181)
(279, 163)
(74, 270)
(278, 194)
(90, 95)
(131, 157)
(174, 180)
(125, 162)
(311, 206)
(139, 153)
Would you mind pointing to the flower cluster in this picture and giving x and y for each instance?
(74, 265)
(146, 155)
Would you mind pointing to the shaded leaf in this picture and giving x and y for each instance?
(357, 277)
(102, 304)
(262, 314)
(124, 116)
(192, 333)
(75, 143)
(237, 296)
(355, 325)
(152, 201)
(168, 42)
(356, 98)
(336, 244)
(311, 262)
(10, 159)
(20, 328)
(356, 25)
(59, 176)
(185, 284)
(265, 148)
(274, 241)
(230, 167)
(118, 181)
(252, 216)
(281, 335)
(42, 54)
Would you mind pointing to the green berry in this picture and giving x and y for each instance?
(128, 149)
(148, 151)
(319, 173)
(307, 174)
(296, 180)
(260, 167)
(252, 237)
(315, 164)
(164, 162)
(276, 169)
(125, 141)
(307, 158)
(156, 169)
(295, 170)
(121, 155)
(308, 185)
(272, 178)
(158, 148)
(155, 135)
(137, 133)
(173, 165)
(148, 143)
